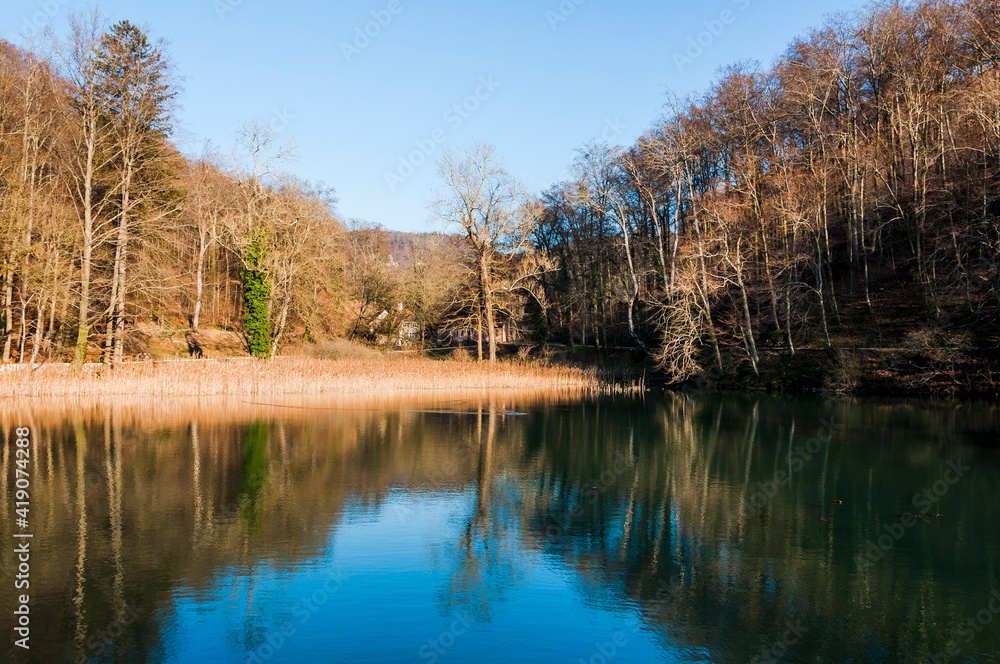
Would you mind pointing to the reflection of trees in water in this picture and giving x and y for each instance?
(252, 482)
(125, 508)
(253, 474)
(642, 500)
(484, 563)
(673, 533)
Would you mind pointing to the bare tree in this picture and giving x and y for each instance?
(487, 204)
(370, 279)
(603, 175)
(78, 54)
(211, 196)
(302, 240)
(135, 96)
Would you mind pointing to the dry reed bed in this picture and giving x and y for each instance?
(292, 376)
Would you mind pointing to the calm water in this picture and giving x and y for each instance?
(665, 529)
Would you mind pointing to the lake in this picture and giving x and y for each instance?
(515, 528)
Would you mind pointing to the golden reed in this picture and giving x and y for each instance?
(294, 376)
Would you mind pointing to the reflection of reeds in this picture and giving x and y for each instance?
(291, 376)
(151, 413)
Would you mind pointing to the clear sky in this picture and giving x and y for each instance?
(537, 78)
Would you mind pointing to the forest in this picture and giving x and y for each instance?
(829, 220)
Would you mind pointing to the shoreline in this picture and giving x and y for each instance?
(862, 372)
(297, 376)
(812, 371)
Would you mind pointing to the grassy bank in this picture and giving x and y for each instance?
(294, 376)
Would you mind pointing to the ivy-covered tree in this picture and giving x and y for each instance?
(257, 298)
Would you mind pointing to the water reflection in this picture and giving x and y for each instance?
(253, 474)
(670, 528)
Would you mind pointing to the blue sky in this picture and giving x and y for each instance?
(538, 79)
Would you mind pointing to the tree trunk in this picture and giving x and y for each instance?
(199, 281)
(479, 335)
(88, 244)
(24, 330)
(52, 318)
(39, 331)
(282, 319)
(748, 322)
(788, 320)
(635, 287)
(819, 291)
(8, 313)
(120, 318)
(487, 290)
(659, 247)
(122, 262)
(109, 334)
(675, 245)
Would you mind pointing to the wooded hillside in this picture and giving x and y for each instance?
(843, 198)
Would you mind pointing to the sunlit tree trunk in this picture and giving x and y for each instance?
(8, 313)
(488, 307)
(39, 331)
